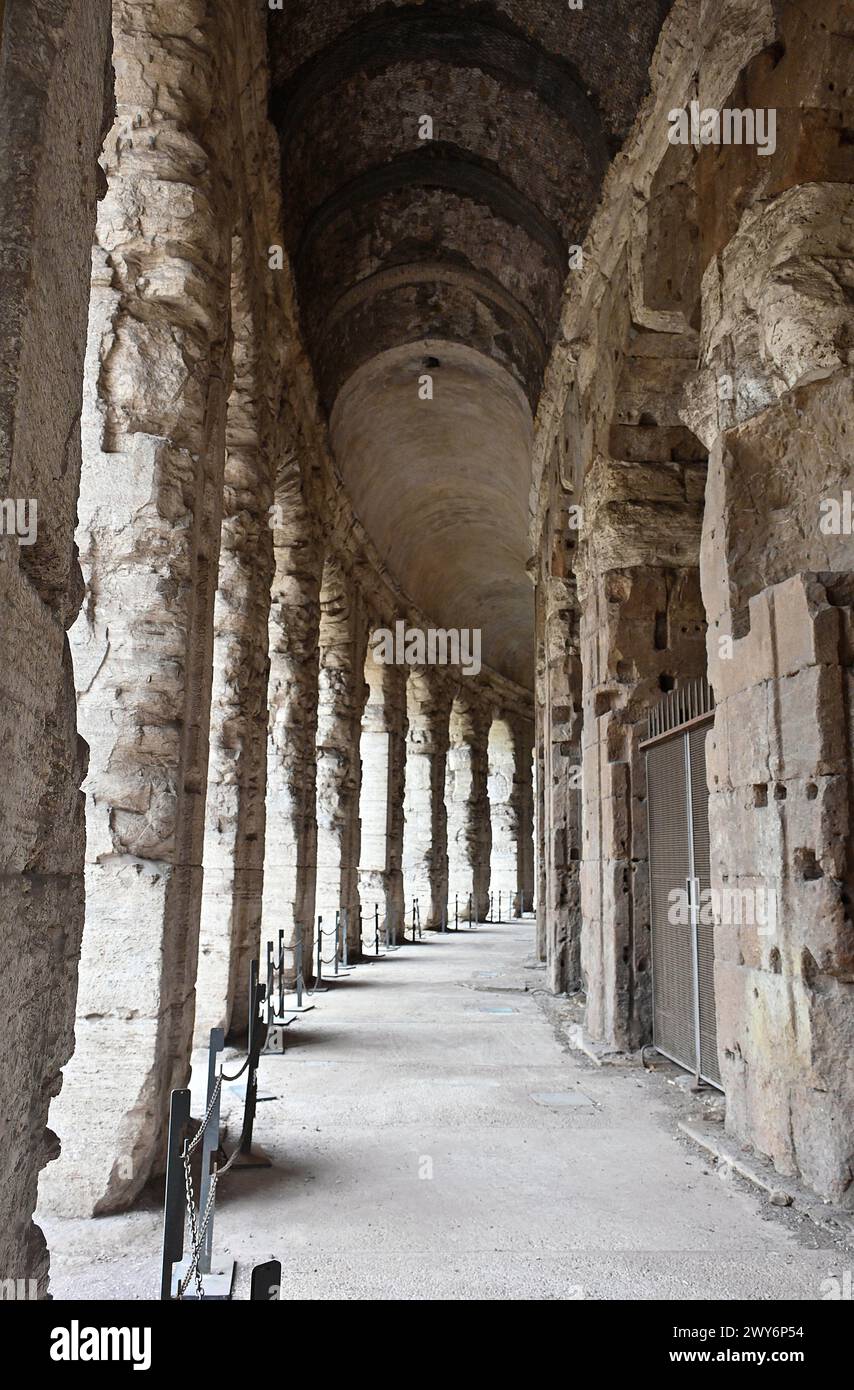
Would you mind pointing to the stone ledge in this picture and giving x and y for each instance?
(781, 1192)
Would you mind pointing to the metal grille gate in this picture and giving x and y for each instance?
(683, 957)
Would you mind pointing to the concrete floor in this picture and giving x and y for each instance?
(432, 1139)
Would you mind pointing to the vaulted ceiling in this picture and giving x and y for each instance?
(446, 257)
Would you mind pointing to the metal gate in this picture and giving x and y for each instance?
(683, 954)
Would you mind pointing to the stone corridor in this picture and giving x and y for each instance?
(432, 1139)
(427, 490)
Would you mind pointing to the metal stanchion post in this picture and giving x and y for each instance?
(257, 1037)
(377, 928)
(456, 912)
(281, 972)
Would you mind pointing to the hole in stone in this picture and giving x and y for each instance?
(774, 960)
(661, 632)
(666, 682)
(760, 794)
(603, 703)
(809, 968)
(641, 966)
(807, 866)
(431, 363)
(741, 622)
(780, 792)
(812, 791)
(647, 420)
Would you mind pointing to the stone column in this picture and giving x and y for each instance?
(425, 838)
(562, 776)
(541, 727)
(642, 628)
(775, 402)
(234, 830)
(467, 809)
(150, 515)
(290, 854)
(523, 800)
(341, 700)
(381, 796)
(54, 99)
(503, 864)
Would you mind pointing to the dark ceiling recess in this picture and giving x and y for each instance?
(459, 238)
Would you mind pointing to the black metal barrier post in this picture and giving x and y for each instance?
(319, 987)
(175, 1204)
(245, 1157)
(193, 1278)
(266, 1286)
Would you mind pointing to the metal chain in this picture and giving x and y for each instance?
(203, 1126)
(195, 1240)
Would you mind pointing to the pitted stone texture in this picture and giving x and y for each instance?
(55, 93)
(383, 758)
(425, 832)
(776, 306)
(785, 990)
(290, 856)
(234, 823)
(468, 805)
(342, 693)
(150, 507)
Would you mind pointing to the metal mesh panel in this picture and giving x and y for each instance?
(672, 975)
(709, 1067)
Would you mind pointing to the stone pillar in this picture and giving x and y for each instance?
(54, 96)
(541, 728)
(523, 800)
(150, 515)
(341, 700)
(381, 798)
(234, 831)
(642, 628)
(775, 401)
(467, 808)
(503, 864)
(425, 837)
(290, 854)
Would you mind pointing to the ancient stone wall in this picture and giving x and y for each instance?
(740, 260)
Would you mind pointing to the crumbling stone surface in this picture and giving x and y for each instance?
(468, 803)
(724, 280)
(425, 834)
(55, 94)
(342, 693)
(383, 759)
